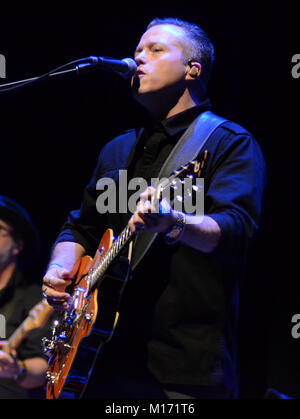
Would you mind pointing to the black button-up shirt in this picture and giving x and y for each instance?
(178, 313)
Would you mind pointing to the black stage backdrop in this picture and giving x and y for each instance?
(51, 134)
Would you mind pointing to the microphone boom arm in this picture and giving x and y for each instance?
(125, 68)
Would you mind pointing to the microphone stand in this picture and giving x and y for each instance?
(81, 66)
(33, 79)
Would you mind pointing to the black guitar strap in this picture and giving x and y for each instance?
(186, 149)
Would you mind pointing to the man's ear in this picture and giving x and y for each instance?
(19, 246)
(194, 70)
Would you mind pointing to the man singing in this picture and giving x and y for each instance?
(176, 336)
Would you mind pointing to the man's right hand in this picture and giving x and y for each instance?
(55, 282)
(61, 270)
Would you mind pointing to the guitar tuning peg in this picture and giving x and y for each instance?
(197, 188)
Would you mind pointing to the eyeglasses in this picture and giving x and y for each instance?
(4, 231)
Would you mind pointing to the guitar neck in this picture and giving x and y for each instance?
(119, 243)
(16, 338)
(38, 316)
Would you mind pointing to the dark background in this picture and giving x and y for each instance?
(51, 134)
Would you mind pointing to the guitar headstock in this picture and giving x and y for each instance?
(193, 168)
(180, 186)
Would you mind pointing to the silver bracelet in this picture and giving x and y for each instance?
(174, 233)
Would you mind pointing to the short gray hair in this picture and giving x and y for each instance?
(201, 47)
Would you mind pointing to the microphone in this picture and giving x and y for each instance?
(126, 67)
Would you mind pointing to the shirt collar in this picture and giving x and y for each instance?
(177, 123)
(182, 120)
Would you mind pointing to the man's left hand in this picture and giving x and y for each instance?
(148, 218)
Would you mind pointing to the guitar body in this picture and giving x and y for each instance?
(79, 335)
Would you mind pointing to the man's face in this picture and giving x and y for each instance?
(7, 243)
(160, 59)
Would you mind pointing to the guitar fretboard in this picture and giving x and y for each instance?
(18, 335)
(118, 244)
(37, 317)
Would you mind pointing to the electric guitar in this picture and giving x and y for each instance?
(80, 332)
(37, 318)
